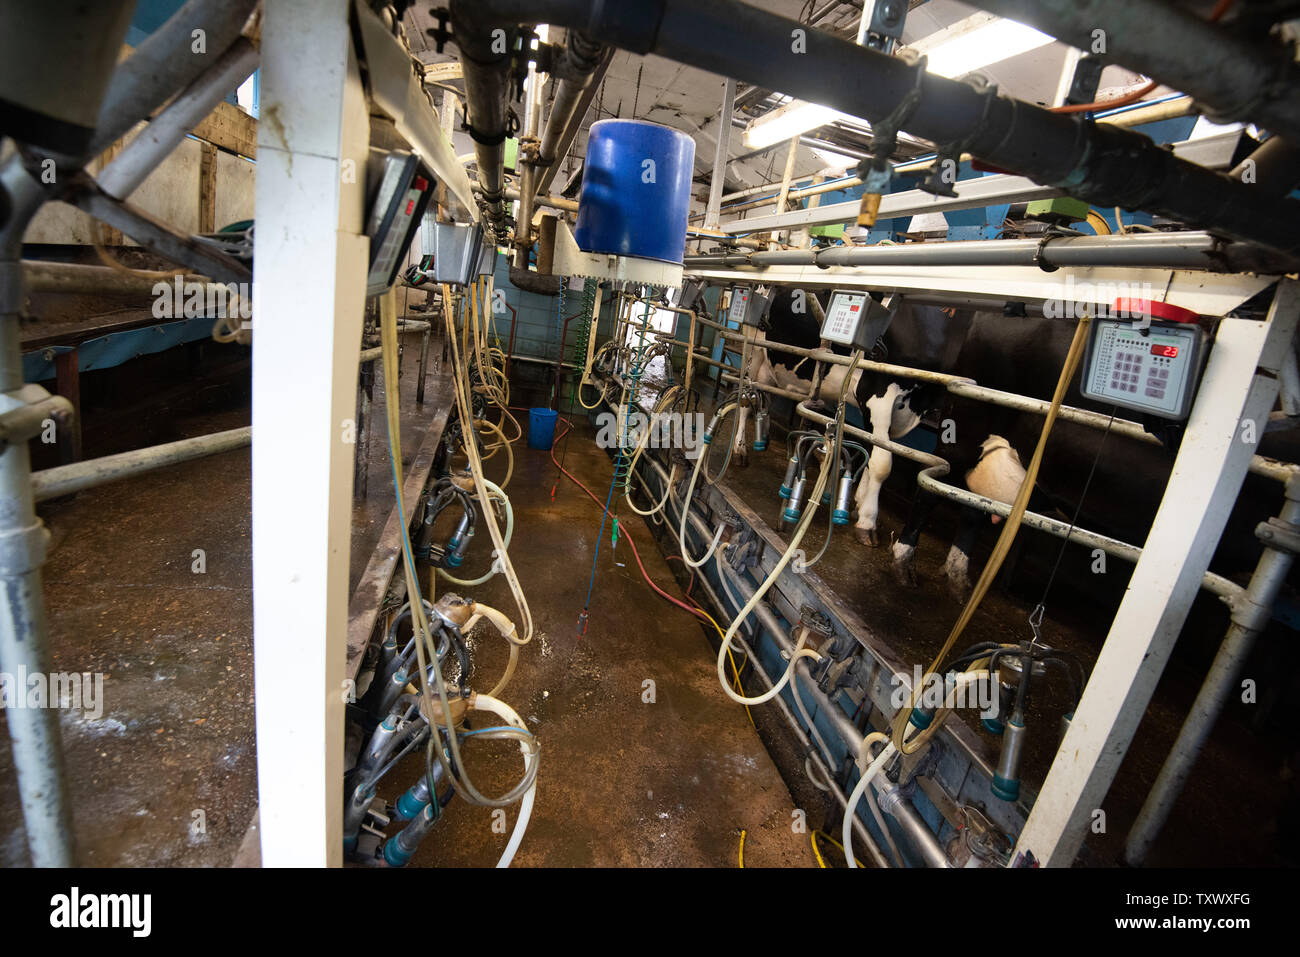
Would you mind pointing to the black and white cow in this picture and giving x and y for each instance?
(1015, 355)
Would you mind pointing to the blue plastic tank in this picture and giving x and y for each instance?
(636, 190)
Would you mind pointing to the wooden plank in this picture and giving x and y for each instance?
(208, 189)
(231, 129)
(363, 609)
(68, 384)
(110, 236)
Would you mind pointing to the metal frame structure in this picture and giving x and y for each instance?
(1240, 385)
(139, 85)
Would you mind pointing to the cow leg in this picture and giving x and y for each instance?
(868, 496)
(905, 547)
(880, 412)
(957, 566)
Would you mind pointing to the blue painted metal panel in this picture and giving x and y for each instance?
(116, 348)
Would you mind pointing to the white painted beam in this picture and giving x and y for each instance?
(308, 299)
(1236, 395)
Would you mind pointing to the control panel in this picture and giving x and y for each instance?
(1153, 370)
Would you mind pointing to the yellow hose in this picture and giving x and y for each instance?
(1000, 550)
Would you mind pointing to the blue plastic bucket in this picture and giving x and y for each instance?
(541, 428)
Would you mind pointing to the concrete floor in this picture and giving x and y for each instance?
(175, 736)
(623, 783)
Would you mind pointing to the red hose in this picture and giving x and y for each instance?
(568, 427)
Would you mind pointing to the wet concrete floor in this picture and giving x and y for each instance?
(625, 781)
(165, 772)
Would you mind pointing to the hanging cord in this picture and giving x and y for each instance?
(585, 337)
(621, 466)
(1000, 550)
(1036, 616)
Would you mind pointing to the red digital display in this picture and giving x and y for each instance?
(1167, 351)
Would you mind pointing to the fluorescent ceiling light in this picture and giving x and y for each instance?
(789, 121)
(979, 40)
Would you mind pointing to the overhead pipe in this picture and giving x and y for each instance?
(1234, 77)
(485, 64)
(1099, 163)
(527, 167)
(1274, 167)
(547, 174)
(1181, 250)
(576, 68)
(1128, 117)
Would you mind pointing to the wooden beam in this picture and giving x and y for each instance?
(208, 189)
(231, 129)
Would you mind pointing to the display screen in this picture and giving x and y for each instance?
(1167, 351)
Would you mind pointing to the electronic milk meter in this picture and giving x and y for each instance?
(1152, 369)
(854, 319)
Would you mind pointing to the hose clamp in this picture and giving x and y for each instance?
(1038, 253)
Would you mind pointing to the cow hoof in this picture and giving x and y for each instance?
(905, 574)
(868, 536)
(741, 460)
(960, 590)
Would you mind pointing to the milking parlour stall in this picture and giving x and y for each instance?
(734, 434)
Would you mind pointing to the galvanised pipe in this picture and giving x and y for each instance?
(1272, 469)
(1181, 250)
(78, 476)
(164, 63)
(1099, 163)
(859, 828)
(34, 733)
(1235, 77)
(485, 62)
(1250, 616)
(40, 276)
(581, 56)
(929, 481)
(155, 142)
(922, 838)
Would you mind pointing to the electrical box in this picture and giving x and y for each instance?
(1151, 369)
(738, 304)
(749, 307)
(398, 204)
(854, 319)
